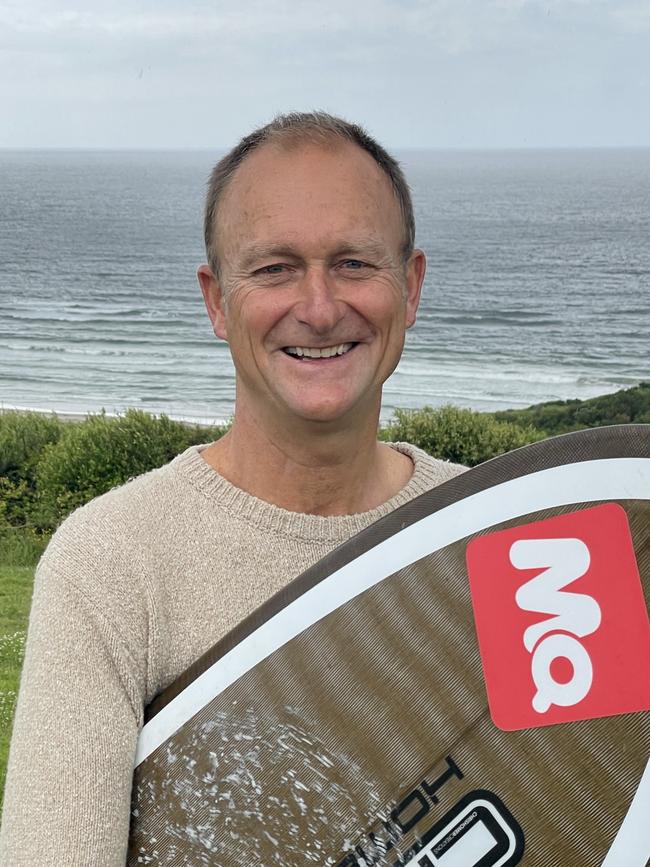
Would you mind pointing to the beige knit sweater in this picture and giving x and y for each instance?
(132, 589)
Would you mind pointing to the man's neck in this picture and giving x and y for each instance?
(342, 472)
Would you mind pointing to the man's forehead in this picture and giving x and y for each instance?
(278, 163)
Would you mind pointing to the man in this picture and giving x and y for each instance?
(312, 279)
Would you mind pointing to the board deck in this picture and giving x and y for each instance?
(463, 684)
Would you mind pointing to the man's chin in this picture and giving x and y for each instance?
(333, 413)
(319, 415)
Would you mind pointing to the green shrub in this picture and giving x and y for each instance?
(631, 405)
(23, 436)
(94, 456)
(458, 435)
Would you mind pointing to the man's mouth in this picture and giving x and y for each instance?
(318, 352)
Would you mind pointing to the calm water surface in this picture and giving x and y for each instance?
(538, 285)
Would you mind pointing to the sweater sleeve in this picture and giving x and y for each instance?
(67, 795)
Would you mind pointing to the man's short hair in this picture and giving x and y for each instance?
(316, 127)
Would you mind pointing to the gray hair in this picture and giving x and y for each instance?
(315, 127)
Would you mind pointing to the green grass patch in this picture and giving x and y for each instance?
(20, 546)
(15, 600)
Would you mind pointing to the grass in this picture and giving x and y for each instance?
(15, 599)
(20, 547)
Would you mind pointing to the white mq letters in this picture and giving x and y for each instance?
(575, 615)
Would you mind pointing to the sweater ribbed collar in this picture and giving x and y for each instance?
(266, 516)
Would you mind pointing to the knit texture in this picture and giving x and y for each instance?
(133, 588)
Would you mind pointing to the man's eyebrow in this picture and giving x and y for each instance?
(362, 248)
(255, 254)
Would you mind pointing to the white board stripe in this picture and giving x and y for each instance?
(631, 846)
(585, 482)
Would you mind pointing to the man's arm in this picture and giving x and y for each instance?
(67, 796)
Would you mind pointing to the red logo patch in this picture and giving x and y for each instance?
(561, 619)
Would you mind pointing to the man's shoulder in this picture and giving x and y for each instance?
(126, 518)
(131, 500)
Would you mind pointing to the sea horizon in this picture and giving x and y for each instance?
(536, 289)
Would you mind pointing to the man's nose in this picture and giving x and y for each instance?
(318, 306)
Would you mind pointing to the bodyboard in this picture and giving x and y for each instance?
(463, 684)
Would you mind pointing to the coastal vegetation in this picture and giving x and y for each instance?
(629, 406)
(48, 467)
(458, 435)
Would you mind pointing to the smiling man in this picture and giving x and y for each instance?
(312, 279)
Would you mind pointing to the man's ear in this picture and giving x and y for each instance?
(415, 270)
(213, 297)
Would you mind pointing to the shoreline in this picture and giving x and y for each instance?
(80, 416)
(77, 416)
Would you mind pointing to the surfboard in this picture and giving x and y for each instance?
(466, 683)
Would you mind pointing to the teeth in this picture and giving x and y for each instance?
(313, 352)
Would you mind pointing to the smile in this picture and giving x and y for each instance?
(323, 352)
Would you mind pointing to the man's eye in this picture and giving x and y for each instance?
(276, 268)
(353, 264)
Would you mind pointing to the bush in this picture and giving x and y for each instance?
(23, 436)
(100, 453)
(632, 405)
(458, 435)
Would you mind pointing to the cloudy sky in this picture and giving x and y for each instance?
(417, 73)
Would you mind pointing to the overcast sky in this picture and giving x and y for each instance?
(417, 73)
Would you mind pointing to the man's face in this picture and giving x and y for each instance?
(313, 296)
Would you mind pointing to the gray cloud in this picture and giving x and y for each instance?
(417, 72)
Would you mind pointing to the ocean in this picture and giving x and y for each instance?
(538, 282)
